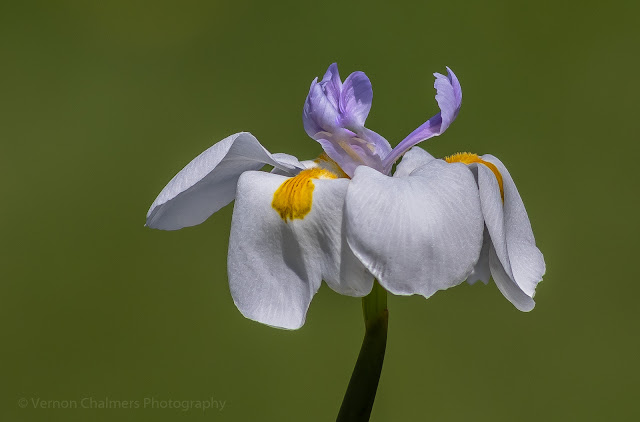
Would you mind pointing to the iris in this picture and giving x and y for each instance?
(346, 219)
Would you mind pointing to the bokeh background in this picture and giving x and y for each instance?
(101, 103)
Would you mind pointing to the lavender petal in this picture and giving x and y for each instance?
(449, 98)
(355, 100)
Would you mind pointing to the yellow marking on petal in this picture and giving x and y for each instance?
(294, 197)
(325, 162)
(469, 158)
(322, 157)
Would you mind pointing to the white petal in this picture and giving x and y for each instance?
(208, 183)
(481, 271)
(413, 159)
(275, 267)
(493, 213)
(416, 234)
(526, 261)
(286, 161)
(507, 287)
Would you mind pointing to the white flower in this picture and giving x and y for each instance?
(342, 219)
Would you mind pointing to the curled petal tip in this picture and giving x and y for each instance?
(332, 77)
(449, 99)
(456, 84)
(448, 96)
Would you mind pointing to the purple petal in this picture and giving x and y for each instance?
(309, 124)
(332, 85)
(355, 100)
(339, 155)
(350, 151)
(449, 98)
(319, 113)
(334, 114)
(381, 145)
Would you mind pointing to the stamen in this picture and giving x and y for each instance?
(470, 158)
(294, 197)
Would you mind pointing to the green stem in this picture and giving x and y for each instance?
(361, 392)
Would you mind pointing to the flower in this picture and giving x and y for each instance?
(340, 218)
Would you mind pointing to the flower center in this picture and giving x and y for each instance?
(294, 197)
(469, 158)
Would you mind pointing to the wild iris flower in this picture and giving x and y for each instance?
(345, 219)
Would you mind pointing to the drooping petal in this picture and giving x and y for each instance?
(449, 98)
(276, 265)
(481, 271)
(507, 287)
(355, 100)
(208, 182)
(525, 259)
(493, 213)
(416, 234)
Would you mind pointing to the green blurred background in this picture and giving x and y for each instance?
(101, 103)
